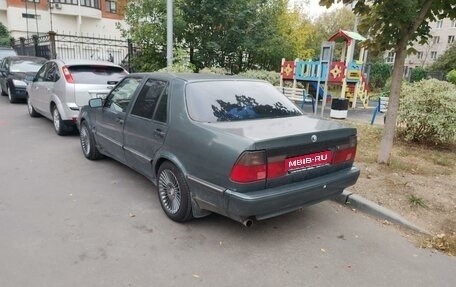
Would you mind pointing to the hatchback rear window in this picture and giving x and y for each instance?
(96, 74)
(220, 101)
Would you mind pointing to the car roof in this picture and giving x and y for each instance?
(192, 77)
(23, 57)
(76, 62)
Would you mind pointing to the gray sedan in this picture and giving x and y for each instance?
(222, 144)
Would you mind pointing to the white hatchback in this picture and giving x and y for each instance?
(62, 87)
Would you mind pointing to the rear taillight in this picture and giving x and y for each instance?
(345, 153)
(67, 75)
(253, 166)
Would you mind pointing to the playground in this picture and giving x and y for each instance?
(346, 78)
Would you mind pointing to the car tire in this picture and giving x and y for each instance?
(10, 96)
(173, 193)
(88, 145)
(59, 125)
(31, 110)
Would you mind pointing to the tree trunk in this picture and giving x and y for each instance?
(386, 145)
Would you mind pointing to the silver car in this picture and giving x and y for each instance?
(62, 87)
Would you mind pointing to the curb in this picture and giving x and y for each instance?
(359, 203)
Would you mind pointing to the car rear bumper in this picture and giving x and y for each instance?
(280, 200)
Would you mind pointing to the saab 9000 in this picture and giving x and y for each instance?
(222, 144)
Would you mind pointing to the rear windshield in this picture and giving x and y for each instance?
(7, 52)
(96, 74)
(220, 101)
(26, 65)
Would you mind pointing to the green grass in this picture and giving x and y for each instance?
(416, 201)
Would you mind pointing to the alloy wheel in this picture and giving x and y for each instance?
(169, 190)
(85, 141)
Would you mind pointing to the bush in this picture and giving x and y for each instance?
(418, 74)
(428, 112)
(451, 76)
(379, 73)
(270, 76)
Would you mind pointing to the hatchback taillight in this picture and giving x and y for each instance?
(254, 166)
(67, 75)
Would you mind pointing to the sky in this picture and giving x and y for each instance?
(313, 8)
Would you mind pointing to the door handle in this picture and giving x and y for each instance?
(120, 121)
(159, 133)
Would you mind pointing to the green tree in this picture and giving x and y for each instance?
(146, 27)
(5, 36)
(394, 25)
(451, 76)
(446, 62)
(329, 23)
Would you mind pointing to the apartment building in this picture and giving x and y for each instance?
(97, 18)
(443, 34)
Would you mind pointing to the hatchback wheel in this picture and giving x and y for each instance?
(59, 125)
(10, 97)
(88, 145)
(173, 193)
(32, 112)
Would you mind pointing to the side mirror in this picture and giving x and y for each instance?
(96, 103)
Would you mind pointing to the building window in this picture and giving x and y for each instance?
(111, 6)
(72, 2)
(436, 39)
(31, 16)
(433, 55)
(390, 57)
(450, 39)
(419, 55)
(453, 24)
(91, 3)
(31, 1)
(439, 24)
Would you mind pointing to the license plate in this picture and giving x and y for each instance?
(308, 160)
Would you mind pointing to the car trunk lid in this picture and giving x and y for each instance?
(297, 148)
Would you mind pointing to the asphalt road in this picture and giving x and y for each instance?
(67, 221)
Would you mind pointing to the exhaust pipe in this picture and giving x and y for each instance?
(248, 222)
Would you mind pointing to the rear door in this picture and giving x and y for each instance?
(145, 127)
(39, 90)
(111, 118)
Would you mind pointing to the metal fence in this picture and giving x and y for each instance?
(61, 46)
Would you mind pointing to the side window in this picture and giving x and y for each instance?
(121, 96)
(52, 75)
(6, 64)
(147, 99)
(162, 109)
(40, 74)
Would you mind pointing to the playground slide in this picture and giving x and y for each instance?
(314, 85)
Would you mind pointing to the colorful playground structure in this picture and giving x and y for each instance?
(345, 76)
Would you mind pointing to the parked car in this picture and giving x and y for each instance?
(234, 146)
(6, 51)
(62, 87)
(15, 73)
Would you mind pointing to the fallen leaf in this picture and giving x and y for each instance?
(323, 250)
(131, 214)
(196, 276)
